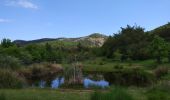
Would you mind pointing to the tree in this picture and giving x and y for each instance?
(168, 46)
(131, 41)
(159, 48)
(117, 55)
(6, 43)
(35, 51)
(163, 32)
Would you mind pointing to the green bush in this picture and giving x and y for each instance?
(8, 62)
(9, 79)
(115, 94)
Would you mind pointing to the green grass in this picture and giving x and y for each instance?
(137, 93)
(43, 94)
(109, 65)
(116, 93)
(130, 93)
(61, 43)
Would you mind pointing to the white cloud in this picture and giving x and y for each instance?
(4, 20)
(22, 3)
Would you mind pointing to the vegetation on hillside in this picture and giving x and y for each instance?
(135, 61)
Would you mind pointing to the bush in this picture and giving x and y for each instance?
(42, 71)
(8, 62)
(9, 79)
(160, 71)
(115, 94)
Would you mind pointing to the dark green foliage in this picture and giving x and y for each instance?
(131, 42)
(129, 77)
(114, 94)
(35, 51)
(6, 43)
(163, 31)
(9, 79)
(117, 55)
(8, 62)
(159, 48)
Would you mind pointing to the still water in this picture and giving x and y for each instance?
(87, 83)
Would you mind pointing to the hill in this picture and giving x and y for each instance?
(163, 31)
(93, 40)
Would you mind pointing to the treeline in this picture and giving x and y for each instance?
(36, 53)
(133, 43)
(130, 43)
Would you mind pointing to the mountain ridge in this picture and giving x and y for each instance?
(95, 39)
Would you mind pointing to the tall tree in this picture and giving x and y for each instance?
(132, 42)
(6, 43)
(159, 48)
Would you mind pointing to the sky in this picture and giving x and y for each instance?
(34, 19)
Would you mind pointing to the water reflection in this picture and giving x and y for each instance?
(101, 83)
(56, 83)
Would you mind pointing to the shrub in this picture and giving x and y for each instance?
(9, 79)
(160, 71)
(116, 94)
(42, 71)
(8, 62)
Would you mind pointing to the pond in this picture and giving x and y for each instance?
(87, 83)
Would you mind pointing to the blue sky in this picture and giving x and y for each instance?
(33, 19)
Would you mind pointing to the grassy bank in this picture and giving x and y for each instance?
(43, 94)
(135, 93)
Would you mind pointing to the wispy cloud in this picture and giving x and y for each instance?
(22, 3)
(4, 20)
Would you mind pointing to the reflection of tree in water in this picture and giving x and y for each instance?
(73, 74)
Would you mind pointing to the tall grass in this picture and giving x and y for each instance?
(9, 79)
(42, 71)
(115, 94)
(9, 62)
